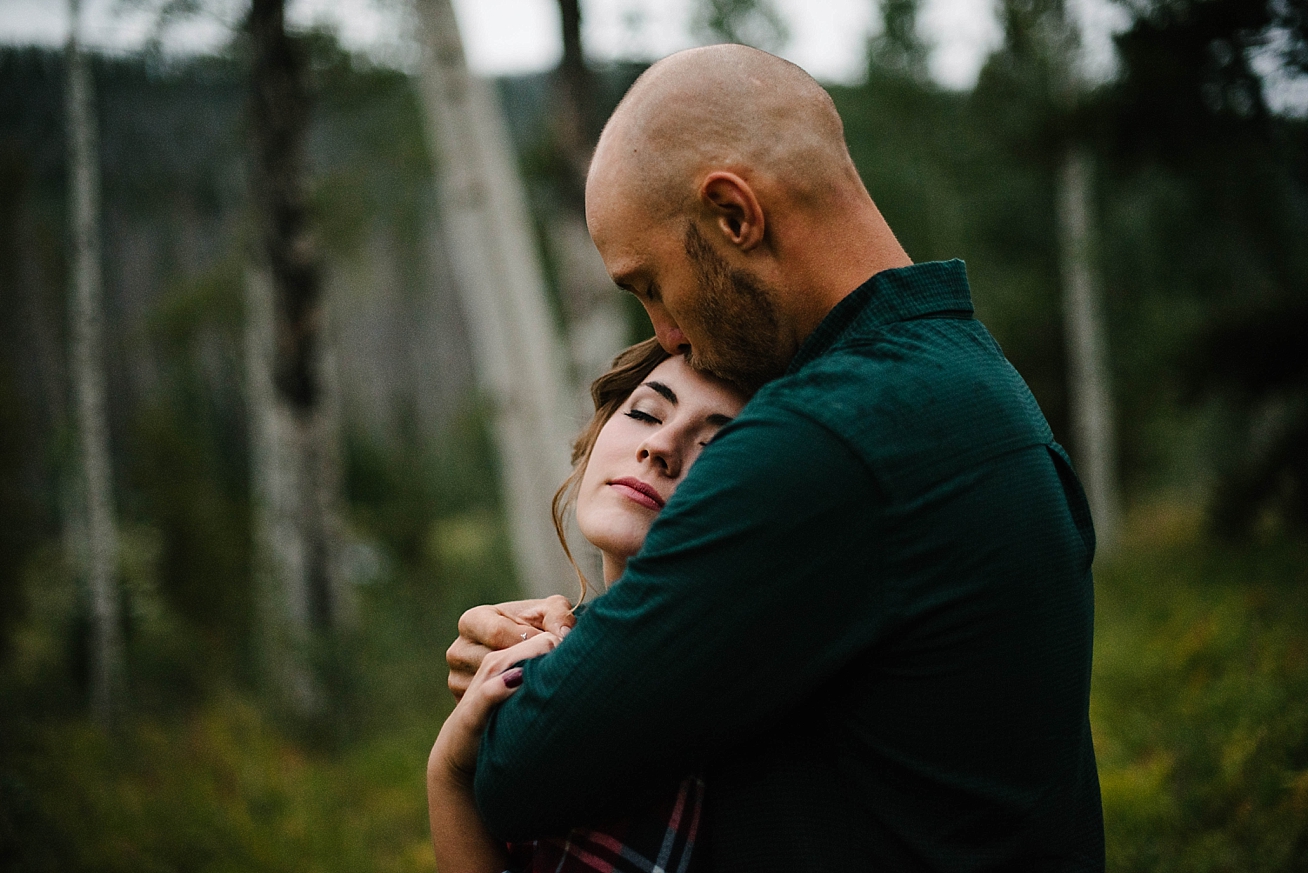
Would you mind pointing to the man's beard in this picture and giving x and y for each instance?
(739, 314)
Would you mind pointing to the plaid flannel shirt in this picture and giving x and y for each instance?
(661, 840)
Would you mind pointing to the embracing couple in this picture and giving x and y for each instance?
(858, 637)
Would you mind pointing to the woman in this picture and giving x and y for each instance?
(653, 416)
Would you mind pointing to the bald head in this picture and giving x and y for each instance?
(725, 107)
(723, 196)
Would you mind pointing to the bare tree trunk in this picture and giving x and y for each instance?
(515, 342)
(574, 84)
(597, 326)
(296, 472)
(101, 552)
(1087, 345)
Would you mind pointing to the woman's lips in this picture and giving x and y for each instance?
(639, 492)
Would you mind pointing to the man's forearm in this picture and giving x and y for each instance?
(701, 639)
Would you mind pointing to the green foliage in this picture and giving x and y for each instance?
(219, 789)
(208, 780)
(18, 527)
(1212, 192)
(1200, 701)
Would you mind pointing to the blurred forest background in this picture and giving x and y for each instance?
(302, 244)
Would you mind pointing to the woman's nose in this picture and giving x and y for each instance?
(663, 450)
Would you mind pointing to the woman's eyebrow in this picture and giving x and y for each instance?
(663, 390)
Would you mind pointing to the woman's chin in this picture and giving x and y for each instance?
(617, 538)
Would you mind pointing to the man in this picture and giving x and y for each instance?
(866, 615)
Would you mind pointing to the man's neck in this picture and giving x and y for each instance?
(838, 257)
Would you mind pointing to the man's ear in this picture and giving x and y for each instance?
(736, 210)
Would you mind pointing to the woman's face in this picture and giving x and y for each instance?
(643, 452)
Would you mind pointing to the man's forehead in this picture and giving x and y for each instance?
(623, 256)
(617, 212)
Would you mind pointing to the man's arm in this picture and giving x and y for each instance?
(727, 616)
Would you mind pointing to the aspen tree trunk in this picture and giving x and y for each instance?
(100, 525)
(516, 348)
(295, 465)
(1089, 386)
(574, 85)
(596, 323)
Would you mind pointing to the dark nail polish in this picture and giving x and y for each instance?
(513, 678)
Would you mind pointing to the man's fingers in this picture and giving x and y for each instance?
(458, 684)
(557, 616)
(546, 613)
(489, 626)
(463, 658)
(486, 629)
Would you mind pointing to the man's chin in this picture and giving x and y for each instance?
(745, 379)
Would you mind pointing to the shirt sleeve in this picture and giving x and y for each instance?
(740, 603)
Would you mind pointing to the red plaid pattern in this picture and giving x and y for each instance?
(661, 841)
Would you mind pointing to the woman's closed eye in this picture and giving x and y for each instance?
(714, 427)
(642, 416)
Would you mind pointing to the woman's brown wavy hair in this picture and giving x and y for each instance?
(629, 370)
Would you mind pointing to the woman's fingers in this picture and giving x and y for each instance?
(532, 647)
(498, 676)
(496, 680)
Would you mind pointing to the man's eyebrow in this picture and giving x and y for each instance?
(663, 390)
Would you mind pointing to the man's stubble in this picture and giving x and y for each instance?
(739, 314)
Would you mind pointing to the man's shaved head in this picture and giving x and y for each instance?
(723, 196)
(725, 107)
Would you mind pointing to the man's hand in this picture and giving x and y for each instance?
(486, 629)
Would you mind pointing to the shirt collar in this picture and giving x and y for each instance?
(890, 296)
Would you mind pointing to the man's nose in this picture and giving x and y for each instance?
(669, 335)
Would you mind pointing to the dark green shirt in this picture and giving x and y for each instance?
(866, 615)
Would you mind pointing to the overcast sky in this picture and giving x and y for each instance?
(828, 37)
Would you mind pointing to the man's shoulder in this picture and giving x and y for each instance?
(911, 392)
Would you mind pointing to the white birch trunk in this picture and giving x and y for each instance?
(516, 348)
(1089, 388)
(597, 329)
(101, 551)
(304, 598)
(295, 495)
(280, 553)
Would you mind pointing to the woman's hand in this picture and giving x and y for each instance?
(460, 840)
(455, 751)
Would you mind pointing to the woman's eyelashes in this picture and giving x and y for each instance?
(646, 417)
